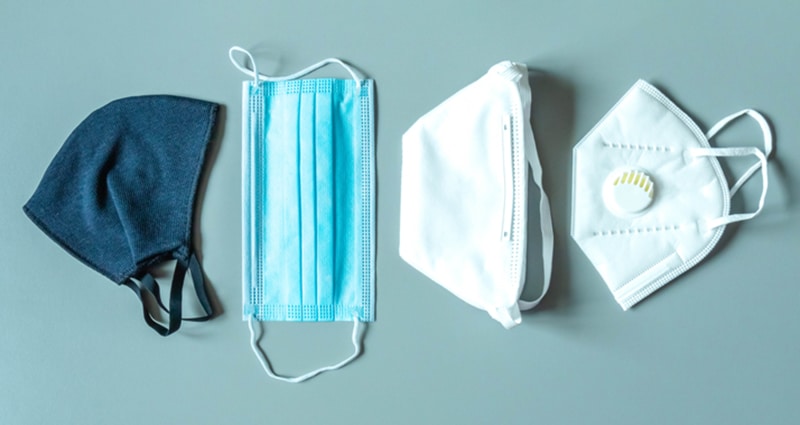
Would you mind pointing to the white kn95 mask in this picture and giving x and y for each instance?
(649, 199)
(463, 213)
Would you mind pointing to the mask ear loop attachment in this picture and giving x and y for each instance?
(738, 152)
(257, 77)
(355, 338)
(148, 284)
(254, 73)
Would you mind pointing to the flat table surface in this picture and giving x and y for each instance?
(718, 345)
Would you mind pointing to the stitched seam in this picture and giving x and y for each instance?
(367, 211)
(657, 148)
(636, 230)
(189, 217)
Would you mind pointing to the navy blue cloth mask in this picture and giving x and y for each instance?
(120, 193)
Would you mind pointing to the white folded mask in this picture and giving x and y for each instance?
(649, 199)
(463, 213)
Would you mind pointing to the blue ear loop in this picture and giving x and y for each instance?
(356, 336)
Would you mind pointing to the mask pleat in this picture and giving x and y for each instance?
(326, 255)
(307, 193)
(280, 229)
(348, 184)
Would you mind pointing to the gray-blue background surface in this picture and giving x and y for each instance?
(718, 345)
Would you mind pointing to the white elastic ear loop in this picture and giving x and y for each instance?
(765, 130)
(545, 221)
(742, 151)
(268, 369)
(240, 67)
(261, 77)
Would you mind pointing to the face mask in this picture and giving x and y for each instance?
(119, 195)
(307, 201)
(463, 213)
(650, 200)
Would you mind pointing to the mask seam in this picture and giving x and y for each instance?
(293, 312)
(657, 148)
(200, 161)
(367, 190)
(306, 85)
(254, 104)
(245, 140)
(639, 294)
(636, 230)
(515, 272)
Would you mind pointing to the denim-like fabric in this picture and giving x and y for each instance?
(119, 194)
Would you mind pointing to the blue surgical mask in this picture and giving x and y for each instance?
(307, 201)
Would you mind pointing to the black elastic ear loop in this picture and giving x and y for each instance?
(149, 285)
(147, 317)
(176, 296)
(200, 290)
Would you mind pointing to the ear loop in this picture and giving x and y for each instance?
(354, 338)
(545, 222)
(510, 317)
(257, 77)
(148, 284)
(741, 151)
